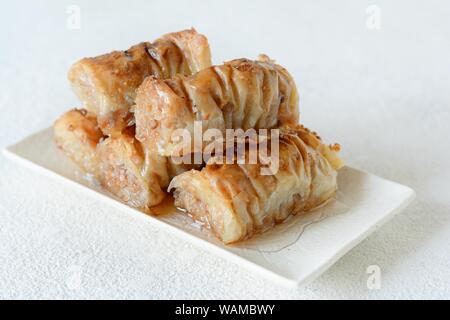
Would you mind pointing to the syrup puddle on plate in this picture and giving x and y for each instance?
(279, 237)
(276, 239)
(285, 234)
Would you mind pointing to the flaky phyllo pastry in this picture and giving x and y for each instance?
(107, 84)
(240, 94)
(236, 201)
(117, 162)
(134, 102)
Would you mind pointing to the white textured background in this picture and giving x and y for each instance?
(383, 94)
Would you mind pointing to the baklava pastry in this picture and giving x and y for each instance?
(127, 170)
(76, 132)
(236, 201)
(107, 84)
(118, 163)
(239, 94)
(121, 170)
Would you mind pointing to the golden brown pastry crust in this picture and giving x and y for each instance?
(119, 163)
(76, 132)
(238, 94)
(121, 171)
(107, 84)
(236, 201)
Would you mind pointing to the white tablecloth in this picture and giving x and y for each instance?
(382, 93)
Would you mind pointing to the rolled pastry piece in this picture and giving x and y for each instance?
(76, 132)
(121, 170)
(107, 84)
(235, 201)
(119, 163)
(239, 94)
(130, 172)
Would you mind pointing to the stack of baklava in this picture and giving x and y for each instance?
(134, 101)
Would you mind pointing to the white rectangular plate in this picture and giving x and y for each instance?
(369, 201)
